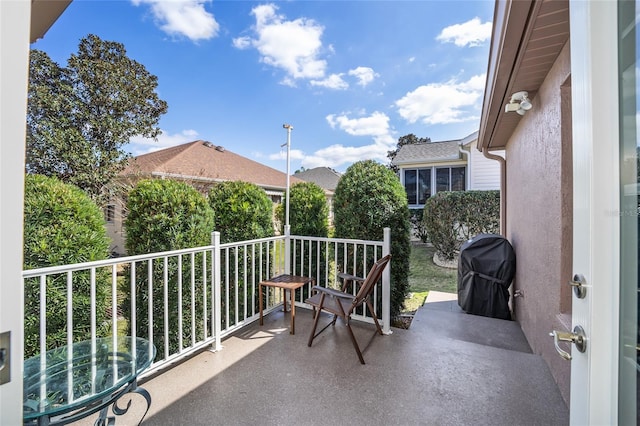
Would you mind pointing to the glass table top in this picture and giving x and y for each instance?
(74, 376)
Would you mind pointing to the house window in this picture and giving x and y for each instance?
(410, 186)
(417, 185)
(110, 213)
(450, 179)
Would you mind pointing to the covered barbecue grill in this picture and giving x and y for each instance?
(486, 268)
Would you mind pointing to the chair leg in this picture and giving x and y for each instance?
(353, 340)
(315, 321)
(375, 317)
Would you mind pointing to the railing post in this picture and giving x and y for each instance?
(215, 290)
(287, 249)
(386, 283)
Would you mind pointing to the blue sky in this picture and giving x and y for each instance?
(351, 77)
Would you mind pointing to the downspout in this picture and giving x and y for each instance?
(503, 188)
(467, 178)
(503, 214)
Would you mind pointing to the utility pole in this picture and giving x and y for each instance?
(289, 127)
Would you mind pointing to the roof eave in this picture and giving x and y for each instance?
(43, 14)
(510, 24)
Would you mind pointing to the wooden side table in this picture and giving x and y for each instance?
(285, 282)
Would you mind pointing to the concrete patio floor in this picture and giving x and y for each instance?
(448, 368)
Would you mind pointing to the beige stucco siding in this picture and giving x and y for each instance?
(538, 217)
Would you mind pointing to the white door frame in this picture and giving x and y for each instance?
(15, 17)
(596, 241)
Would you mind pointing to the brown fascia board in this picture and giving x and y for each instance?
(511, 19)
(43, 14)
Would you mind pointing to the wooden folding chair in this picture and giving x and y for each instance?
(342, 304)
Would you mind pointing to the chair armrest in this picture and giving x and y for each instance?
(348, 277)
(333, 292)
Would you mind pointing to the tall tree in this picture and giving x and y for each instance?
(404, 140)
(80, 117)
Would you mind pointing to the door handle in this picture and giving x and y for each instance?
(578, 338)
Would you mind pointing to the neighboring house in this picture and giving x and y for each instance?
(326, 178)
(456, 165)
(199, 163)
(570, 199)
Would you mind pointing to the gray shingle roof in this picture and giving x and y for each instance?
(324, 177)
(428, 152)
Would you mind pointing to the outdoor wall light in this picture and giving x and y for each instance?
(519, 103)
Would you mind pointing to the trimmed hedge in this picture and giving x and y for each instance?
(242, 210)
(62, 225)
(369, 198)
(454, 217)
(308, 210)
(167, 215)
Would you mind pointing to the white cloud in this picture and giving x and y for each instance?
(334, 81)
(377, 124)
(186, 18)
(336, 156)
(139, 145)
(365, 75)
(294, 154)
(293, 46)
(242, 42)
(471, 33)
(442, 103)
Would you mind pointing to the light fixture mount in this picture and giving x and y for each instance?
(519, 103)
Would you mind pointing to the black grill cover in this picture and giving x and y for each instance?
(486, 268)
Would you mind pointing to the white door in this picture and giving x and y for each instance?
(605, 103)
(14, 62)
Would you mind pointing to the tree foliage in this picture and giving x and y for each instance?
(242, 211)
(308, 210)
(409, 139)
(79, 117)
(62, 225)
(369, 198)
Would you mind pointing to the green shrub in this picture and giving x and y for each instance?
(308, 210)
(242, 211)
(167, 215)
(308, 216)
(62, 225)
(418, 226)
(454, 217)
(369, 198)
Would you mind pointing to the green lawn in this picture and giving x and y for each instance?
(424, 275)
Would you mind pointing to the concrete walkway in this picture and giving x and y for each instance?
(448, 368)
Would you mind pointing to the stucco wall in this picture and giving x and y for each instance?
(539, 217)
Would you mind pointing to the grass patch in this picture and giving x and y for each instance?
(425, 276)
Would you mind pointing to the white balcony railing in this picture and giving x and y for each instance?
(184, 300)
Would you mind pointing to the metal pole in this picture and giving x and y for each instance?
(289, 127)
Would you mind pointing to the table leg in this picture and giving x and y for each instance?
(260, 301)
(284, 300)
(293, 312)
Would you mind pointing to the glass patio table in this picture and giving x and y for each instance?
(72, 382)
